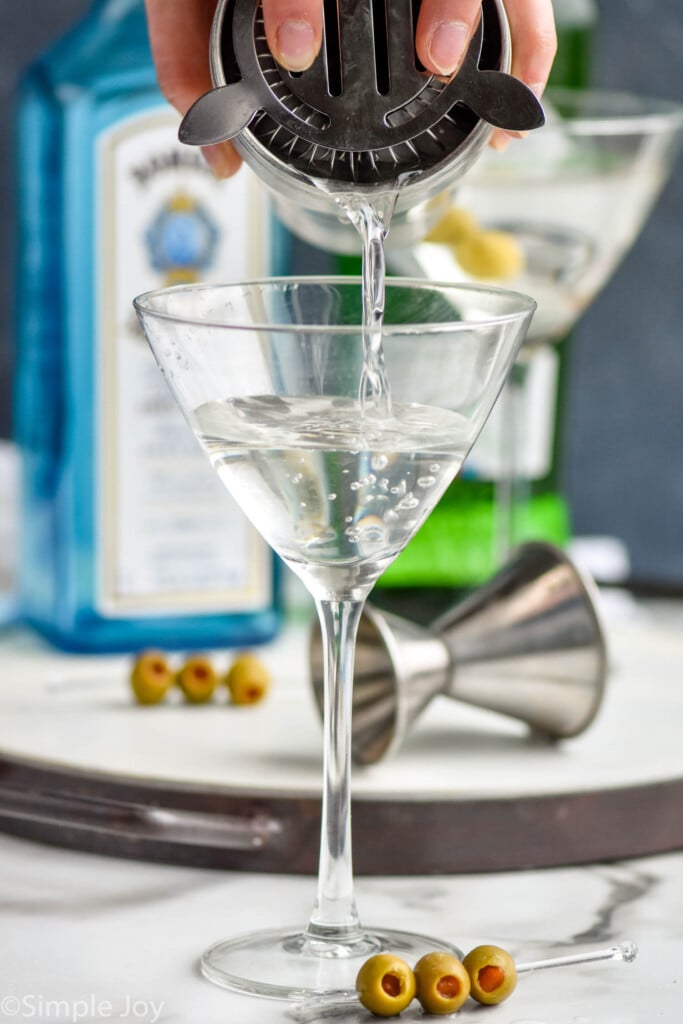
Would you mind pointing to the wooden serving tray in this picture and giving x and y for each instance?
(219, 786)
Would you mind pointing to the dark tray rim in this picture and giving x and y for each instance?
(218, 827)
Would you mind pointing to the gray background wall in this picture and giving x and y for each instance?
(624, 450)
(623, 458)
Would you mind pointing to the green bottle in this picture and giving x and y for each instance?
(459, 546)
(576, 22)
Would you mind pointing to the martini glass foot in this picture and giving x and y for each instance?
(286, 963)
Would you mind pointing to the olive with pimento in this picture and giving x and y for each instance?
(493, 975)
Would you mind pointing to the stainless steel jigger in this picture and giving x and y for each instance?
(365, 114)
(527, 644)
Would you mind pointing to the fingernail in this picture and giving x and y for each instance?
(222, 159)
(447, 45)
(296, 45)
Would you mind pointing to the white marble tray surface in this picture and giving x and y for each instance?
(77, 712)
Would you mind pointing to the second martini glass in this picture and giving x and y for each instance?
(573, 199)
(268, 376)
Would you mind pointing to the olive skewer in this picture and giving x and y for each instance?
(312, 1009)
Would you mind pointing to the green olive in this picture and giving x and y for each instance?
(492, 972)
(442, 983)
(493, 255)
(454, 227)
(197, 679)
(385, 985)
(151, 677)
(248, 680)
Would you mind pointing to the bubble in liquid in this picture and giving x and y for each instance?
(410, 501)
(372, 535)
(355, 486)
(379, 461)
(297, 478)
(426, 481)
(326, 536)
(434, 468)
(331, 496)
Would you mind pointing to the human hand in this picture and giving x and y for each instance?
(179, 33)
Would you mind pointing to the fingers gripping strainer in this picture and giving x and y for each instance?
(365, 112)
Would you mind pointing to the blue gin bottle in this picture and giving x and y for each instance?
(128, 538)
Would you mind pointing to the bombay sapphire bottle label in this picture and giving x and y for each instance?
(170, 538)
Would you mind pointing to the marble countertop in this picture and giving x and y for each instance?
(86, 938)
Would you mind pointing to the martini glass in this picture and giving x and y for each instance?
(574, 196)
(267, 375)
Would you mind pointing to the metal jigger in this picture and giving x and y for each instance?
(527, 644)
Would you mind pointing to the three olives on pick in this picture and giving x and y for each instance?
(151, 677)
(385, 985)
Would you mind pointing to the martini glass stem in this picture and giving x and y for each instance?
(334, 916)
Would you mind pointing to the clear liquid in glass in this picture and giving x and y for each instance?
(337, 494)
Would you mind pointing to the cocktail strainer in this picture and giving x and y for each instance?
(365, 115)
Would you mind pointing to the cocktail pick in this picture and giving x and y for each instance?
(527, 644)
(626, 951)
